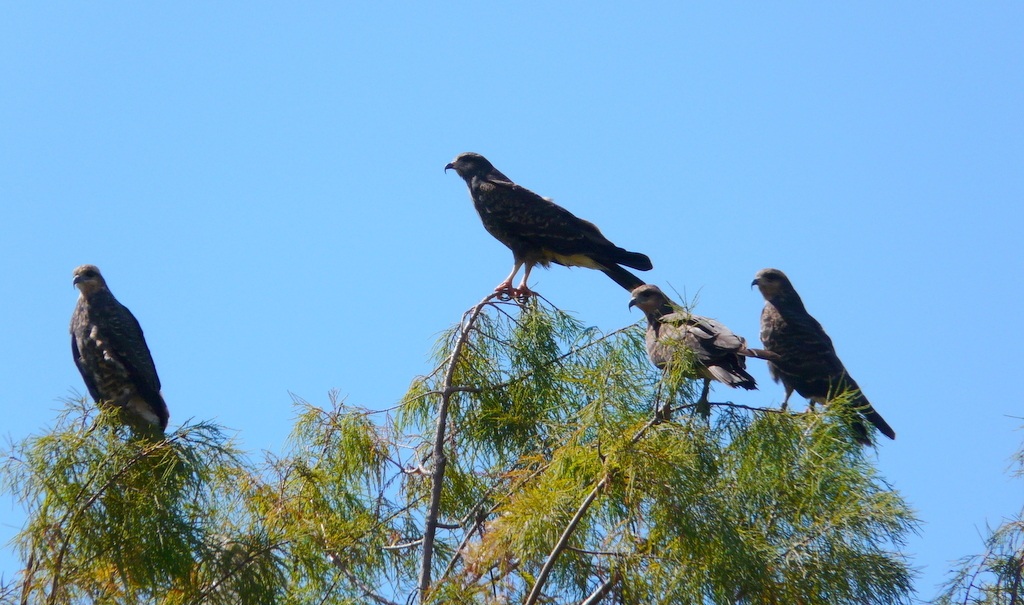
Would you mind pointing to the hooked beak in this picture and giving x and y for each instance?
(449, 166)
(754, 283)
(632, 303)
(78, 279)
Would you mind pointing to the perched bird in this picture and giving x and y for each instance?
(720, 354)
(111, 353)
(538, 231)
(807, 362)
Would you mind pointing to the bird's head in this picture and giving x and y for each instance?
(88, 279)
(771, 283)
(470, 164)
(649, 299)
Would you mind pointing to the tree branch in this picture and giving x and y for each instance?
(480, 517)
(367, 591)
(602, 591)
(440, 461)
(563, 541)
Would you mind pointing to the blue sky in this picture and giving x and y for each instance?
(262, 186)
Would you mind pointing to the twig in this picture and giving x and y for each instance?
(729, 404)
(602, 590)
(403, 546)
(367, 591)
(440, 461)
(597, 553)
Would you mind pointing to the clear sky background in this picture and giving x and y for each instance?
(262, 186)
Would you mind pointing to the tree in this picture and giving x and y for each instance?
(995, 577)
(528, 467)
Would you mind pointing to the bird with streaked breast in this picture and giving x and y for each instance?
(111, 353)
(806, 360)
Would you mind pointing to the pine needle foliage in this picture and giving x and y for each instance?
(995, 577)
(121, 517)
(528, 467)
(559, 483)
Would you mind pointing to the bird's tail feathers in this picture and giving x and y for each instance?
(861, 404)
(734, 377)
(622, 277)
(860, 433)
(151, 407)
(634, 260)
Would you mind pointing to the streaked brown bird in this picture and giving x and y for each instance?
(671, 331)
(111, 352)
(538, 231)
(807, 362)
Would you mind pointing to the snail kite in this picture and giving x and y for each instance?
(807, 362)
(719, 354)
(538, 231)
(111, 353)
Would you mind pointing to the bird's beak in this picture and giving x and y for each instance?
(449, 166)
(754, 283)
(632, 303)
(78, 280)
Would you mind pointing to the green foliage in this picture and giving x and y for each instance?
(557, 483)
(118, 516)
(997, 576)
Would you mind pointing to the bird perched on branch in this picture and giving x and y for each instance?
(807, 362)
(672, 331)
(538, 231)
(111, 353)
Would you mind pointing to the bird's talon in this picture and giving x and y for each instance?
(506, 292)
(523, 294)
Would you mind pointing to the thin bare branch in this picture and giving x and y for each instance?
(563, 541)
(440, 461)
(367, 591)
(597, 553)
(602, 591)
(403, 546)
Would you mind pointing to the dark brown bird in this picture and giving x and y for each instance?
(671, 331)
(538, 231)
(807, 362)
(111, 353)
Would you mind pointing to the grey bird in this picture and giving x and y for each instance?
(806, 360)
(719, 353)
(538, 231)
(111, 352)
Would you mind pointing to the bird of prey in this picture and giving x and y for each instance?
(538, 231)
(719, 354)
(111, 353)
(807, 362)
